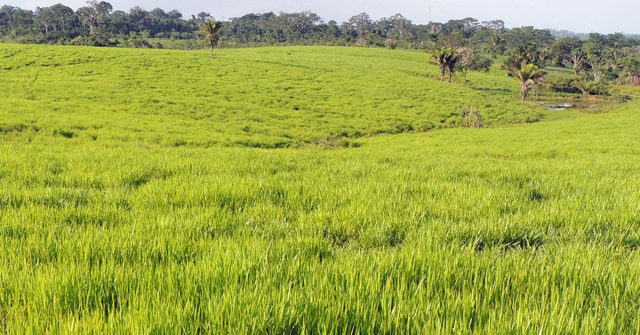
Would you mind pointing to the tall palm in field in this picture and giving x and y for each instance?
(446, 58)
(528, 75)
(577, 60)
(212, 30)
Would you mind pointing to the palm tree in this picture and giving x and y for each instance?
(446, 58)
(528, 75)
(497, 43)
(211, 29)
(577, 60)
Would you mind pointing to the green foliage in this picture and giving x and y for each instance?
(156, 217)
(591, 87)
(471, 60)
(563, 85)
(472, 118)
(212, 31)
(446, 59)
(564, 49)
(576, 85)
(632, 68)
(529, 76)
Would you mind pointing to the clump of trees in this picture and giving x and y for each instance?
(594, 61)
(446, 59)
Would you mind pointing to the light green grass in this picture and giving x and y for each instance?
(273, 97)
(130, 203)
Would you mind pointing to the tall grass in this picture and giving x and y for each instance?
(531, 228)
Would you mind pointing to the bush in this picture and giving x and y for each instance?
(588, 87)
(93, 41)
(482, 63)
(389, 43)
(562, 85)
(472, 118)
(576, 85)
(141, 43)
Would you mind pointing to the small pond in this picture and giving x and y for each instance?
(561, 105)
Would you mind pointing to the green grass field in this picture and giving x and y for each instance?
(306, 190)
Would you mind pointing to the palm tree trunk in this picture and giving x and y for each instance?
(634, 79)
(524, 92)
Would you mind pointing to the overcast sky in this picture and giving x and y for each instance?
(604, 16)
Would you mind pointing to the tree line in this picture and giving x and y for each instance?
(457, 45)
(99, 24)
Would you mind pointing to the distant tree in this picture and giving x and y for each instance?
(175, 14)
(332, 31)
(433, 31)
(45, 19)
(446, 59)
(454, 40)
(577, 60)
(562, 49)
(201, 17)
(212, 31)
(495, 25)
(522, 55)
(359, 28)
(64, 17)
(632, 68)
(471, 60)
(497, 43)
(466, 59)
(529, 75)
(527, 36)
(93, 14)
(158, 13)
(400, 29)
(599, 58)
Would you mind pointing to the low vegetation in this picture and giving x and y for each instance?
(339, 190)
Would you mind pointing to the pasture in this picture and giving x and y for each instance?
(306, 190)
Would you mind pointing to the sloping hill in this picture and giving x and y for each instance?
(129, 202)
(271, 97)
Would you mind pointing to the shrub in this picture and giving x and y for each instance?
(141, 43)
(588, 87)
(94, 41)
(562, 85)
(64, 133)
(472, 118)
(389, 43)
(576, 85)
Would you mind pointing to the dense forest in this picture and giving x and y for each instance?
(594, 58)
